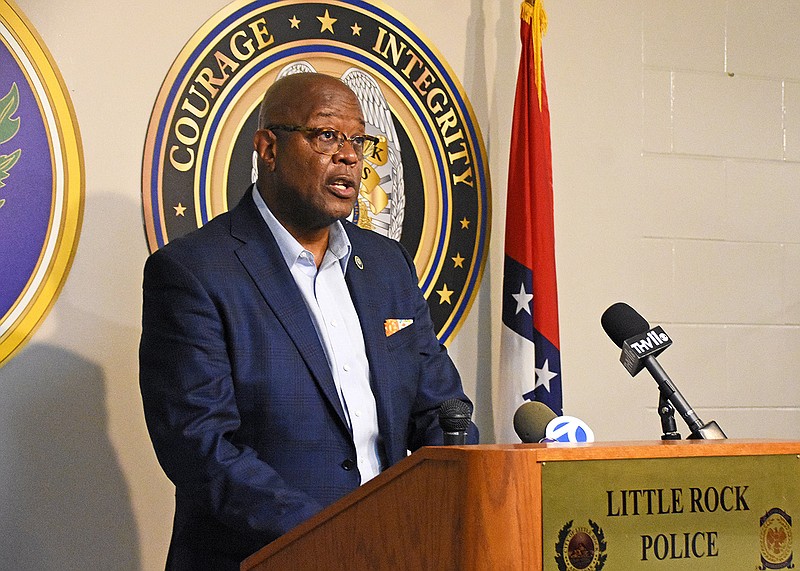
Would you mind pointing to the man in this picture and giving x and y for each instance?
(287, 356)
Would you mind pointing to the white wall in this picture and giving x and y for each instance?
(676, 151)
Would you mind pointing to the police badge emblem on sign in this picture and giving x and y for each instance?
(777, 548)
(425, 184)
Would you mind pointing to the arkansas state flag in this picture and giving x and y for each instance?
(530, 361)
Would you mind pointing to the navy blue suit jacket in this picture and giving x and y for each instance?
(238, 396)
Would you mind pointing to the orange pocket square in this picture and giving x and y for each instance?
(392, 326)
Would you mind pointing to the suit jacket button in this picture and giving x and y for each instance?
(348, 464)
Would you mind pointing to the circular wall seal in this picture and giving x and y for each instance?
(41, 181)
(426, 184)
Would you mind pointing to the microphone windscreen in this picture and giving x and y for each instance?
(621, 322)
(531, 420)
(454, 415)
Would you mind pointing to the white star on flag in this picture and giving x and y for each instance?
(544, 375)
(523, 299)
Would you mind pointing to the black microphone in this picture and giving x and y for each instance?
(531, 420)
(640, 344)
(454, 418)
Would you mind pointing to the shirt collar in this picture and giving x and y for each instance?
(338, 243)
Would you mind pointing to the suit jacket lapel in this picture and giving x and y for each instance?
(365, 300)
(262, 259)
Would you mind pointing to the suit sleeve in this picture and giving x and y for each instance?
(438, 378)
(191, 411)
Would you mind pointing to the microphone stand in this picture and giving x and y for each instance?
(669, 392)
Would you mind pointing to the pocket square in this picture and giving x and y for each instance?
(392, 326)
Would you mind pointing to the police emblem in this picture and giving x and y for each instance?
(41, 181)
(581, 548)
(776, 540)
(425, 183)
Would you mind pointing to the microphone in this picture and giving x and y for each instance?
(531, 420)
(631, 332)
(454, 418)
(536, 422)
(640, 344)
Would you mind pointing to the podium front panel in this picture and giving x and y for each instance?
(727, 512)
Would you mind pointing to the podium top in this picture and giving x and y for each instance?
(560, 451)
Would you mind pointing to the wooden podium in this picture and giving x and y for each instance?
(481, 508)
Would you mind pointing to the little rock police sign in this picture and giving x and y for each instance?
(426, 184)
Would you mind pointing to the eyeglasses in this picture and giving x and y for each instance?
(327, 141)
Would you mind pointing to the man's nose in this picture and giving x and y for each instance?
(347, 153)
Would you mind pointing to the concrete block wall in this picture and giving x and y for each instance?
(721, 225)
(677, 189)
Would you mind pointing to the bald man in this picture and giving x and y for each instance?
(275, 375)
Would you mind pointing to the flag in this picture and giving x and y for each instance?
(530, 359)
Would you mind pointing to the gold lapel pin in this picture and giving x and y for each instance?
(359, 263)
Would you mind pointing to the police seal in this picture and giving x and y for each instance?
(41, 181)
(425, 184)
(581, 548)
(776, 540)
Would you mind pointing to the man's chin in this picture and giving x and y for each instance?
(345, 209)
(323, 217)
(337, 216)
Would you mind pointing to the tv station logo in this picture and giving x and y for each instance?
(426, 185)
(648, 344)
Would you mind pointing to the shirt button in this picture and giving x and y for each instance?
(348, 464)
(358, 413)
(346, 367)
(333, 323)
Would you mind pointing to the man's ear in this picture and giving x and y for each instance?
(264, 142)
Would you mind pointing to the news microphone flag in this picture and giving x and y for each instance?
(530, 359)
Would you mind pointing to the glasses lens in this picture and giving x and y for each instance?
(330, 141)
(327, 141)
(358, 144)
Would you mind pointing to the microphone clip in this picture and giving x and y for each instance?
(667, 413)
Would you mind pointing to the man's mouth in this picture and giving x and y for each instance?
(343, 186)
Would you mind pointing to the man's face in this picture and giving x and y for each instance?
(311, 190)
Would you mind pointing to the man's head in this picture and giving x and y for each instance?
(308, 178)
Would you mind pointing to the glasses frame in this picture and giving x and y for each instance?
(340, 137)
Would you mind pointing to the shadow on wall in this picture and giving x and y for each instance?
(475, 84)
(64, 503)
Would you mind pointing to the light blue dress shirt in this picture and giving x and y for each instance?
(328, 300)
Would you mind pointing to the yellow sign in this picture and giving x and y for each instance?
(680, 513)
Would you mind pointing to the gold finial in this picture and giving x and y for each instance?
(533, 13)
